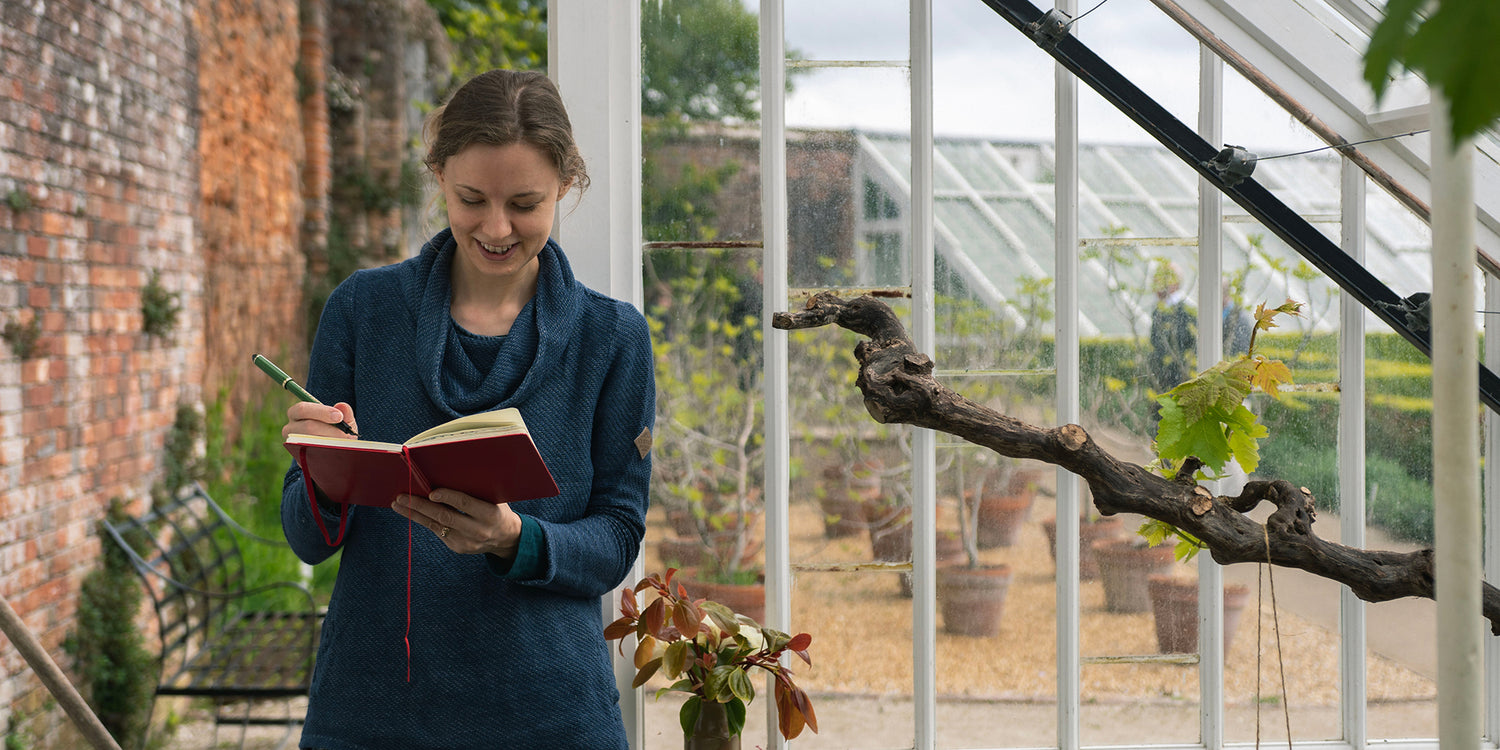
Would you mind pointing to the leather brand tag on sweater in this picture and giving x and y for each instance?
(643, 441)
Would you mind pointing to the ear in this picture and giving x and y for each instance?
(563, 190)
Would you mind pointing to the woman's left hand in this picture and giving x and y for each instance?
(468, 525)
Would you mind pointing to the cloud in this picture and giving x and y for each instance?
(991, 80)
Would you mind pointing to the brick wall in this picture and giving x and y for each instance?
(137, 138)
(254, 150)
(98, 175)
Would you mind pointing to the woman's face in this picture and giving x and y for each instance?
(501, 201)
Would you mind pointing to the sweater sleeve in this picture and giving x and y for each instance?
(592, 555)
(330, 374)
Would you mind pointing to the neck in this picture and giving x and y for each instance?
(488, 307)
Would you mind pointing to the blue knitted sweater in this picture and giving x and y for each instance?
(496, 661)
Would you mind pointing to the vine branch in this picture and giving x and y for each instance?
(899, 387)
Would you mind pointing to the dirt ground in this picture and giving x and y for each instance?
(1000, 691)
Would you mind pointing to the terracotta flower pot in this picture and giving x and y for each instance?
(843, 515)
(680, 553)
(1174, 605)
(950, 547)
(682, 523)
(1104, 527)
(972, 600)
(1124, 566)
(890, 540)
(748, 599)
(1001, 518)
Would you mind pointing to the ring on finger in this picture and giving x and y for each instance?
(443, 533)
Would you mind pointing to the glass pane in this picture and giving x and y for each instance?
(700, 185)
(1029, 224)
(977, 164)
(861, 674)
(995, 574)
(862, 98)
(823, 207)
(704, 309)
(1153, 52)
(1398, 475)
(847, 30)
(1140, 219)
(987, 79)
(1160, 174)
(850, 529)
(1297, 632)
(1120, 610)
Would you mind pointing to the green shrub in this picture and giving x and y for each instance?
(159, 307)
(246, 474)
(109, 653)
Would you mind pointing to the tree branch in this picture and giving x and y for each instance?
(899, 387)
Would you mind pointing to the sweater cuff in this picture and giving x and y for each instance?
(530, 557)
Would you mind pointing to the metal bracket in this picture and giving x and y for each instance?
(1049, 29)
(1416, 310)
(1231, 165)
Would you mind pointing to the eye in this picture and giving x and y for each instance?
(470, 201)
(531, 207)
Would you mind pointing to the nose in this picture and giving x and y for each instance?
(497, 223)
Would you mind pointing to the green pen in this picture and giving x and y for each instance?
(285, 381)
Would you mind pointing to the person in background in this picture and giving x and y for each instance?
(455, 622)
(1237, 324)
(1174, 330)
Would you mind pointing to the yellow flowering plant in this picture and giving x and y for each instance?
(707, 650)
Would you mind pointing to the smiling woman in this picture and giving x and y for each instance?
(488, 316)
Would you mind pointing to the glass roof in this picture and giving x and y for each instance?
(994, 217)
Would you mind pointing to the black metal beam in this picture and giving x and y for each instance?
(1184, 142)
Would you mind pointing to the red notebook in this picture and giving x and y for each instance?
(489, 455)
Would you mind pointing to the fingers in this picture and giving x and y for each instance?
(465, 524)
(307, 418)
(437, 512)
(347, 415)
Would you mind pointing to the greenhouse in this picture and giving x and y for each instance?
(1078, 674)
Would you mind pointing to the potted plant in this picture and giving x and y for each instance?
(1004, 495)
(1092, 527)
(1124, 565)
(707, 650)
(1174, 608)
(971, 596)
(887, 516)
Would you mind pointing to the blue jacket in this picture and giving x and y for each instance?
(498, 658)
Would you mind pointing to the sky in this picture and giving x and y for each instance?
(990, 80)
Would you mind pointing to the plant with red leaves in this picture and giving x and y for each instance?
(708, 650)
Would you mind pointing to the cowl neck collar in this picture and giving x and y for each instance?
(536, 342)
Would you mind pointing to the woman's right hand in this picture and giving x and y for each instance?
(307, 418)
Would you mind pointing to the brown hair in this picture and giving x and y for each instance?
(500, 108)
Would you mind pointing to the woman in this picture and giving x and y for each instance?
(504, 631)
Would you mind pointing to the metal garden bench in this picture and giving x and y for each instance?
(212, 644)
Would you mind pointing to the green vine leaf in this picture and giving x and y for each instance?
(1243, 434)
(1206, 417)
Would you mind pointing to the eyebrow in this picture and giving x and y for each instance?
(528, 194)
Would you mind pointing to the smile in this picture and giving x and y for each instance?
(498, 250)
